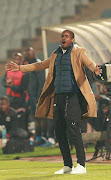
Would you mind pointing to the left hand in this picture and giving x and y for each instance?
(98, 70)
(10, 84)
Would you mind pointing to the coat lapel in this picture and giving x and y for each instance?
(50, 73)
(51, 68)
(73, 61)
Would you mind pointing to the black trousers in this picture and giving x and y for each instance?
(67, 116)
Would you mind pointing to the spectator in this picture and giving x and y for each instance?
(36, 79)
(8, 118)
(35, 85)
(14, 78)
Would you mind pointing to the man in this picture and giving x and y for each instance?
(66, 96)
(8, 116)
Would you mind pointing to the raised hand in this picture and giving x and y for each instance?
(12, 67)
(98, 70)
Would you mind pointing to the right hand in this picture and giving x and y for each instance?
(12, 67)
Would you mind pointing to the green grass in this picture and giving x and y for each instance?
(38, 151)
(11, 169)
(28, 170)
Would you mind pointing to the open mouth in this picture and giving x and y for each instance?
(63, 42)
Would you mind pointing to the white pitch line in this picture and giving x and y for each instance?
(38, 172)
(11, 169)
(3, 170)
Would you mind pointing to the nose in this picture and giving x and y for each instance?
(63, 39)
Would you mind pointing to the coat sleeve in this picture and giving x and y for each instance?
(87, 61)
(38, 66)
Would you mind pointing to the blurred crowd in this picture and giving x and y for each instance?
(17, 107)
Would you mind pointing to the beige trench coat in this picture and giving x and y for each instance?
(79, 58)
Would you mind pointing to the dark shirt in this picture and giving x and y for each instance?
(36, 82)
(9, 120)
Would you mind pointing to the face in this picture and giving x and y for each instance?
(66, 40)
(4, 105)
(29, 54)
(18, 60)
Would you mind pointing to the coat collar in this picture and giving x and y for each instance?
(59, 49)
(54, 54)
(75, 47)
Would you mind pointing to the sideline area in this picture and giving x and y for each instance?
(58, 159)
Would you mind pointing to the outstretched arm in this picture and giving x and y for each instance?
(90, 64)
(29, 67)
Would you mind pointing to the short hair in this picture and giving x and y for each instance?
(73, 35)
(4, 98)
(18, 54)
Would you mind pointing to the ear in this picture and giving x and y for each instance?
(73, 40)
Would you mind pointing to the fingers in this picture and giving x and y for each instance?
(98, 70)
(12, 66)
(12, 62)
(7, 68)
(100, 73)
(9, 65)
